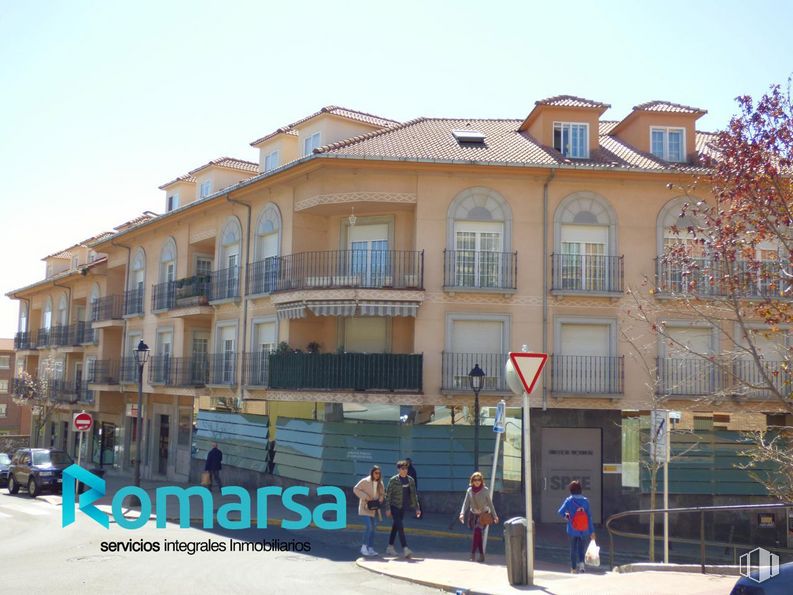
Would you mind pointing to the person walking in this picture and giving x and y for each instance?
(575, 509)
(400, 494)
(371, 493)
(476, 505)
(412, 473)
(214, 464)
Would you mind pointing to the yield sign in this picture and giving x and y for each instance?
(529, 366)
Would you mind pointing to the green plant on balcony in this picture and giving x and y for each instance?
(313, 347)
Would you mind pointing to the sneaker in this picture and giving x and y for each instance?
(390, 551)
(406, 552)
(372, 552)
(364, 550)
(573, 571)
(481, 557)
(581, 567)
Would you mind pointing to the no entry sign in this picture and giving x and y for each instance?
(82, 422)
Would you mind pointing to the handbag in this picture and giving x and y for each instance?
(206, 479)
(373, 505)
(485, 519)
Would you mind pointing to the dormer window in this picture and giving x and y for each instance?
(571, 139)
(668, 143)
(205, 189)
(75, 262)
(311, 143)
(271, 161)
(172, 203)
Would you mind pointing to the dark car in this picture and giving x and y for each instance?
(781, 584)
(5, 462)
(37, 469)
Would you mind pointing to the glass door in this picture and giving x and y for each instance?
(369, 256)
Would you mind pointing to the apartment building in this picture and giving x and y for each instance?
(14, 420)
(361, 269)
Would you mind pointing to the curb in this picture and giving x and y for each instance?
(424, 583)
(722, 569)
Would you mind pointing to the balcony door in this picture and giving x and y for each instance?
(164, 351)
(584, 364)
(478, 247)
(583, 259)
(366, 335)
(200, 357)
(369, 262)
(264, 342)
(683, 372)
(227, 339)
(476, 342)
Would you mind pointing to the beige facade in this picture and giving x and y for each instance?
(399, 252)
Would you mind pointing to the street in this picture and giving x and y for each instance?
(38, 556)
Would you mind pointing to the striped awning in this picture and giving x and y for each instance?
(388, 308)
(291, 310)
(333, 308)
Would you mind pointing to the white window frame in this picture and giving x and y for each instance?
(310, 143)
(205, 189)
(263, 320)
(272, 160)
(5, 362)
(665, 130)
(562, 126)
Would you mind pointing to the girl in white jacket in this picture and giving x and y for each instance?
(369, 489)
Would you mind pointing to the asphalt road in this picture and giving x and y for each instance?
(37, 555)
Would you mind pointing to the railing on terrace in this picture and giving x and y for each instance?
(190, 291)
(103, 371)
(346, 371)
(582, 374)
(110, 307)
(128, 371)
(225, 284)
(256, 369)
(59, 335)
(688, 376)
(23, 340)
(478, 269)
(133, 302)
(367, 269)
(456, 366)
(223, 368)
(43, 337)
(709, 277)
(754, 381)
(586, 273)
(86, 396)
(178, 371)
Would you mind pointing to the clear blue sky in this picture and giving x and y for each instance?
(101, 102)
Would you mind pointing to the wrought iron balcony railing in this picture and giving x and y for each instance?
(256, 369)
(585, 273)
(110, 307)
(688, 376)
(456, 366)
(367, 269)
(178, 371)
(103, 371)
(754, 381)
(223, 368)
(709, 277)
(133, 302)
(43, 338)
(190, 291)
(225, 284)
(59, 335)
(128, 373)
(346, 371)
(477, 269)
(23, 340)
(587, 374)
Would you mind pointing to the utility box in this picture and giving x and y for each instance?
(515, 550)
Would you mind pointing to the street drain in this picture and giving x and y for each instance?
(96, 558)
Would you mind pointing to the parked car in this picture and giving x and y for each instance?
(5, 461)
(37, 469)
(781, 584)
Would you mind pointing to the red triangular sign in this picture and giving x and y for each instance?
(529, 367)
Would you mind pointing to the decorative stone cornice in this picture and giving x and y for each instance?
(348, 197)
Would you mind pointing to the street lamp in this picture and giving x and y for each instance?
(141, 356)
(476, 376)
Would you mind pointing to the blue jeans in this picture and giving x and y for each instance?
(369, 524)
(577, 549)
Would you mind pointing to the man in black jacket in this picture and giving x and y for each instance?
(214, 465)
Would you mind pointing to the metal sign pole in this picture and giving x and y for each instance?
(667, 447)
(492, 486)
(527, 473)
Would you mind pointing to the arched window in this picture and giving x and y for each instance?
(674, 227)
(93, 302)
(168, 261)
(46, 314)
(478, 234)
(267, 247)
(137, 273)
(230, 244)
(63, 311)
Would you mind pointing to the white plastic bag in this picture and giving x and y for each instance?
(592, 556)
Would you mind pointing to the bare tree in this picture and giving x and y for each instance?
(37, 392)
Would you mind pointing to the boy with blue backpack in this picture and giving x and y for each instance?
(575, 509)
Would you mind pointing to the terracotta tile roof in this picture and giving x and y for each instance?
(668, 106)
(184, 178)
(231, 163)
(431, 139)
(68, 253)
(571, 101)
(342, 112)
(145, 217)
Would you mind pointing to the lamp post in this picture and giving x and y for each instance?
(141, 356)
(475, 376)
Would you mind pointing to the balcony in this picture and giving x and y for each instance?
(178, 371)
(43, 338)
(456, 366)
(346, 371)
(339, 269)
(587, 374)
(23, 341)
(107, 308)
(754, 381)
(128, 372)
(480, 271)
(72, 335)
(182, 293)
(256, 369)
(586, 274)
(225, 284)
(133, 302)
(59, 336)
(688, 377)
(104, 371)
(705, 277)
(223, 369)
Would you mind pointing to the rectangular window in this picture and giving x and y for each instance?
(571, 139)
(668, 144)
(173, 202)
(271, 161)
(3, 409)
(75, 261)
(203, 266)
(311, 143)
(5, 362)
(3, 386)
(206, 188)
